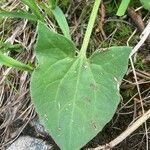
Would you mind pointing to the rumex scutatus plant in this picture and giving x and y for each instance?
(75, 95)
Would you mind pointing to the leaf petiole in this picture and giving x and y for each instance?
(90, 27)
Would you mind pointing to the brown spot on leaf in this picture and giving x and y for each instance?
(104, 49)
(87, 99)
(59, 129)
(93, 86)
(94, 126)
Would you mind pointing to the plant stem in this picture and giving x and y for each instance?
(90, 27)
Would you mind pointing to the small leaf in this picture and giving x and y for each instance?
(62, 22)
(75, 96)
(19, 14)
(146, 4)
(10, 62)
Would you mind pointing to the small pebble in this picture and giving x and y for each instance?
(29, 143)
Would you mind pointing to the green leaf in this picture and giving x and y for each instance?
(34, 7)
(19, 14)
(123, 7)
(146, 4)
(75, 96)
(10, 62)
(62, 22)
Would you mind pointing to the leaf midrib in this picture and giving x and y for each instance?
(74, 100)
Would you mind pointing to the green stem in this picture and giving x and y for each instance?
(90, 27)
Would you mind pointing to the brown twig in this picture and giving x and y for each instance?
(137, 19)
(102, 20)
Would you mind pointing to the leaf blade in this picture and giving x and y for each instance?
(110, 55)
(123, 7)
(52, 40)
(19, 14)
(62, 22)
(74, 95)
(146, 4)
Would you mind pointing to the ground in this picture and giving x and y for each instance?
(17, 113)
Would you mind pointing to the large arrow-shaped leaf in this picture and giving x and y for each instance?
(75, 96)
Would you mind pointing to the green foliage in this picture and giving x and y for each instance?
(135, 3)
(140, 63)
(64, 3)
(61, 20)
(34, 7)
(5, 47)
(75, 95)
(129, 93)
(25, 15)
(124, 31)
(111, 7)
(120, 35)
(2, 2)
(18, 14)
(37, 15)
(10, 62)
(123, 7)
(146, 4)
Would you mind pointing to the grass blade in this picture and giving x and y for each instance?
(10, 62)
(123, 7)
(19, 14)
(5, 47)
(34, 7)
(62, 22)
